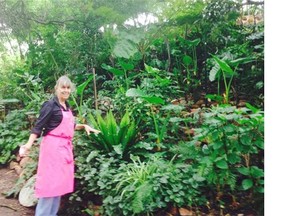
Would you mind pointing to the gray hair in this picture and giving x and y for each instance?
(64, 80)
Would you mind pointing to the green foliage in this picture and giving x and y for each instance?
(13, 133)
(126, 45)
(227, 149)
(32, 91)
(151, 100)
(114, 137)
(77, 99)
(227, 73)
(148, 186)
(125, 68)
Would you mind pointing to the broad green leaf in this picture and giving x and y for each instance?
(259, 143)
(214, 97)
(135, 38)
(132, 92)
(81, 87)
(187, 60)
(124, 49)
(233, 159)
(154, 100)
(259, 85)
(260, 189)
(126, 66)
(151, 70)
(229, 128)
(256, 172)
(247, 183)
(246, 139)
(252, 108)
(214, 72)
(222, 164)
(115, 71)
(224, 66)
(118, 149)
(217, 145)
(244, 171)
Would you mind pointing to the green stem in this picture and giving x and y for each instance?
(195, 60)
(218, 85)
(54, 60)
(226, 88)
(156, 127)
(78, 108)
(126, 80)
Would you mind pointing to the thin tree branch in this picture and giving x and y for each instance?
(249, 2)
(54, 21)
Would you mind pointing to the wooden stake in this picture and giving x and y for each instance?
(95, 89)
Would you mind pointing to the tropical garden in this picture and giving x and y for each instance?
(175, 86)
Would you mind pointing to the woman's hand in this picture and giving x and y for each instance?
(89, 129)
(24, 150)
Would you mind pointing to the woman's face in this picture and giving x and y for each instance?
(63, 92)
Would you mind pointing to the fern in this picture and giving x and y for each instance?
(231, 180)
(143, 196)
(114, 136)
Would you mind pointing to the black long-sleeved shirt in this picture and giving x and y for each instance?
(50, 117)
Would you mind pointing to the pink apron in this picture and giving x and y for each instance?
(55, 172)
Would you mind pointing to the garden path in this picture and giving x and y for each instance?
(11, 206)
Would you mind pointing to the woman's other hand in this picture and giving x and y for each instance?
(89, 129)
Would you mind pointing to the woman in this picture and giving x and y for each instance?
(55, 172)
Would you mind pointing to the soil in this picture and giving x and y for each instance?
(11, 206)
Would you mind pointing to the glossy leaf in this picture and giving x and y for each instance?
(126, 66)
(132, 92)
(247, 184)
(115, 71)
(154, 100)
(222, 164)
(187, 60)
(224, 66)
(81, 87)
(244, 170)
